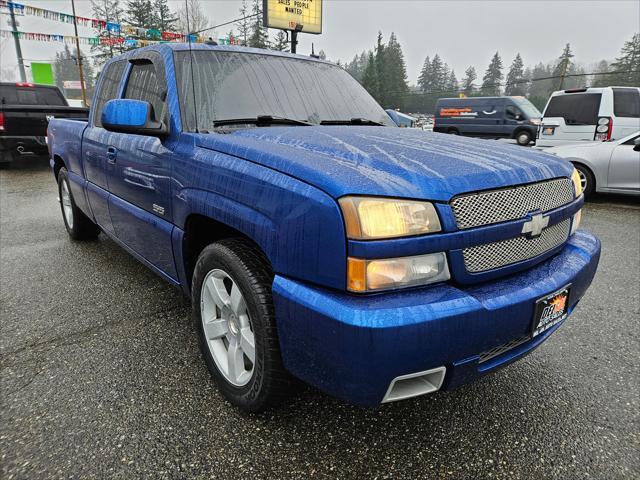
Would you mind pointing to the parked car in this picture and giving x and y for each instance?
(315, 238)
(612, 167)
(25, 109)
(401, 119)
(589, 115)
(488, 117)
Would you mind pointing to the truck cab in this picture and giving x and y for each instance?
(317, 241)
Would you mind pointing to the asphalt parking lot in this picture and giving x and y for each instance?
(101, 377)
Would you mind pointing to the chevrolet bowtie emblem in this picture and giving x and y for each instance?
(536, 225)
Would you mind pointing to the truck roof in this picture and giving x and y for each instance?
(167, 48)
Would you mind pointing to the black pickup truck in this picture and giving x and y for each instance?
(25, 111)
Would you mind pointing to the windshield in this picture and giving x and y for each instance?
(238, 85)
(529, 109)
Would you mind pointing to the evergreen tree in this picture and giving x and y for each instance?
(281, 43)
(438, 74)
(258, 37)
(492, 77)
(165, 18)
(563, 67)
(515, 78)
(393, 84)
(141, 14)
(244, 25)
(424, 80)
(604, 78)
(539, 90)
(370, 77)
(65, 67)
(356, 66)
(110, 11)
(470, 76)
(381, 67)
(627, 65)
(452, 85)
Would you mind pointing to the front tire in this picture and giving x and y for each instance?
(586, 179)
(78, 225)
(235, 319)
(523, 138)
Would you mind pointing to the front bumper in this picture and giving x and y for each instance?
(352, 347)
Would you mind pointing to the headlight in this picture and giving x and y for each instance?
(535, 121)
(577, 183)
(375, 275)
(369, 218)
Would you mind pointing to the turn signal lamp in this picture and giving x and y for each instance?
(577, 183)
(377, 275)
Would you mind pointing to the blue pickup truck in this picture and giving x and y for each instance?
(316, 239)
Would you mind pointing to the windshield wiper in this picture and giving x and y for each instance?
(261, 121)
(353, 121)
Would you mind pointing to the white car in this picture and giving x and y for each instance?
(612, 167)
(589, 115)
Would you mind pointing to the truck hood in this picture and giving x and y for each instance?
(387, 161)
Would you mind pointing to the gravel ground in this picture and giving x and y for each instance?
(101, 377)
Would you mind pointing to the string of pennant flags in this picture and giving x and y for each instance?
(119, 31)
(70, 39)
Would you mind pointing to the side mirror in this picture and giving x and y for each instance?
(132, 116)
(518, 116)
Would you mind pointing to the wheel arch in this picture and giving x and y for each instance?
(586, 165)
(58, 163)
(201, 230)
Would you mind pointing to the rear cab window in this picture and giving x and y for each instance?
(626, 102)
(575, 108)
(109, 88)
(35, 95)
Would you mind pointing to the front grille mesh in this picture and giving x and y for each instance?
(486, 208)
(498, 254)
(500, 349)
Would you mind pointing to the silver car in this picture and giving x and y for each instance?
(611, 167)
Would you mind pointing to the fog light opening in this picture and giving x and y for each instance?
(415, 384)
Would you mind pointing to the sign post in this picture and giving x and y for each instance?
(293, 15)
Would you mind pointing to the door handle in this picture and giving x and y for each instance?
(112, 154)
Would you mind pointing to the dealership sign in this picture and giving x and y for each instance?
(298, 15)
(71, 84)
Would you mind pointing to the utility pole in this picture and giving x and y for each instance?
(79, 54)
(16, 39)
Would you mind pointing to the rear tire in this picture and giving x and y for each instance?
(523, 138)
(587, 179)
(78, 225)
(453, 131)
(250, 375)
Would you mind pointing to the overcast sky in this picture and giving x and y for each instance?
(462, 32)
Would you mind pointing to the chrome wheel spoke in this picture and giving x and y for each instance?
(247, 343)
(237, 303)
(215, 328)
(227, 327)
(235, 362)
(217, 292)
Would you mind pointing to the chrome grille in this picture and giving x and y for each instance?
(498, 254)
(496, 206)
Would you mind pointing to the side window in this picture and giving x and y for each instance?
(513, 113)
(143, 85)
(108, 89)
(626, 102)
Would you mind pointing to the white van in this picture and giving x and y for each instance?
(589, 115)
